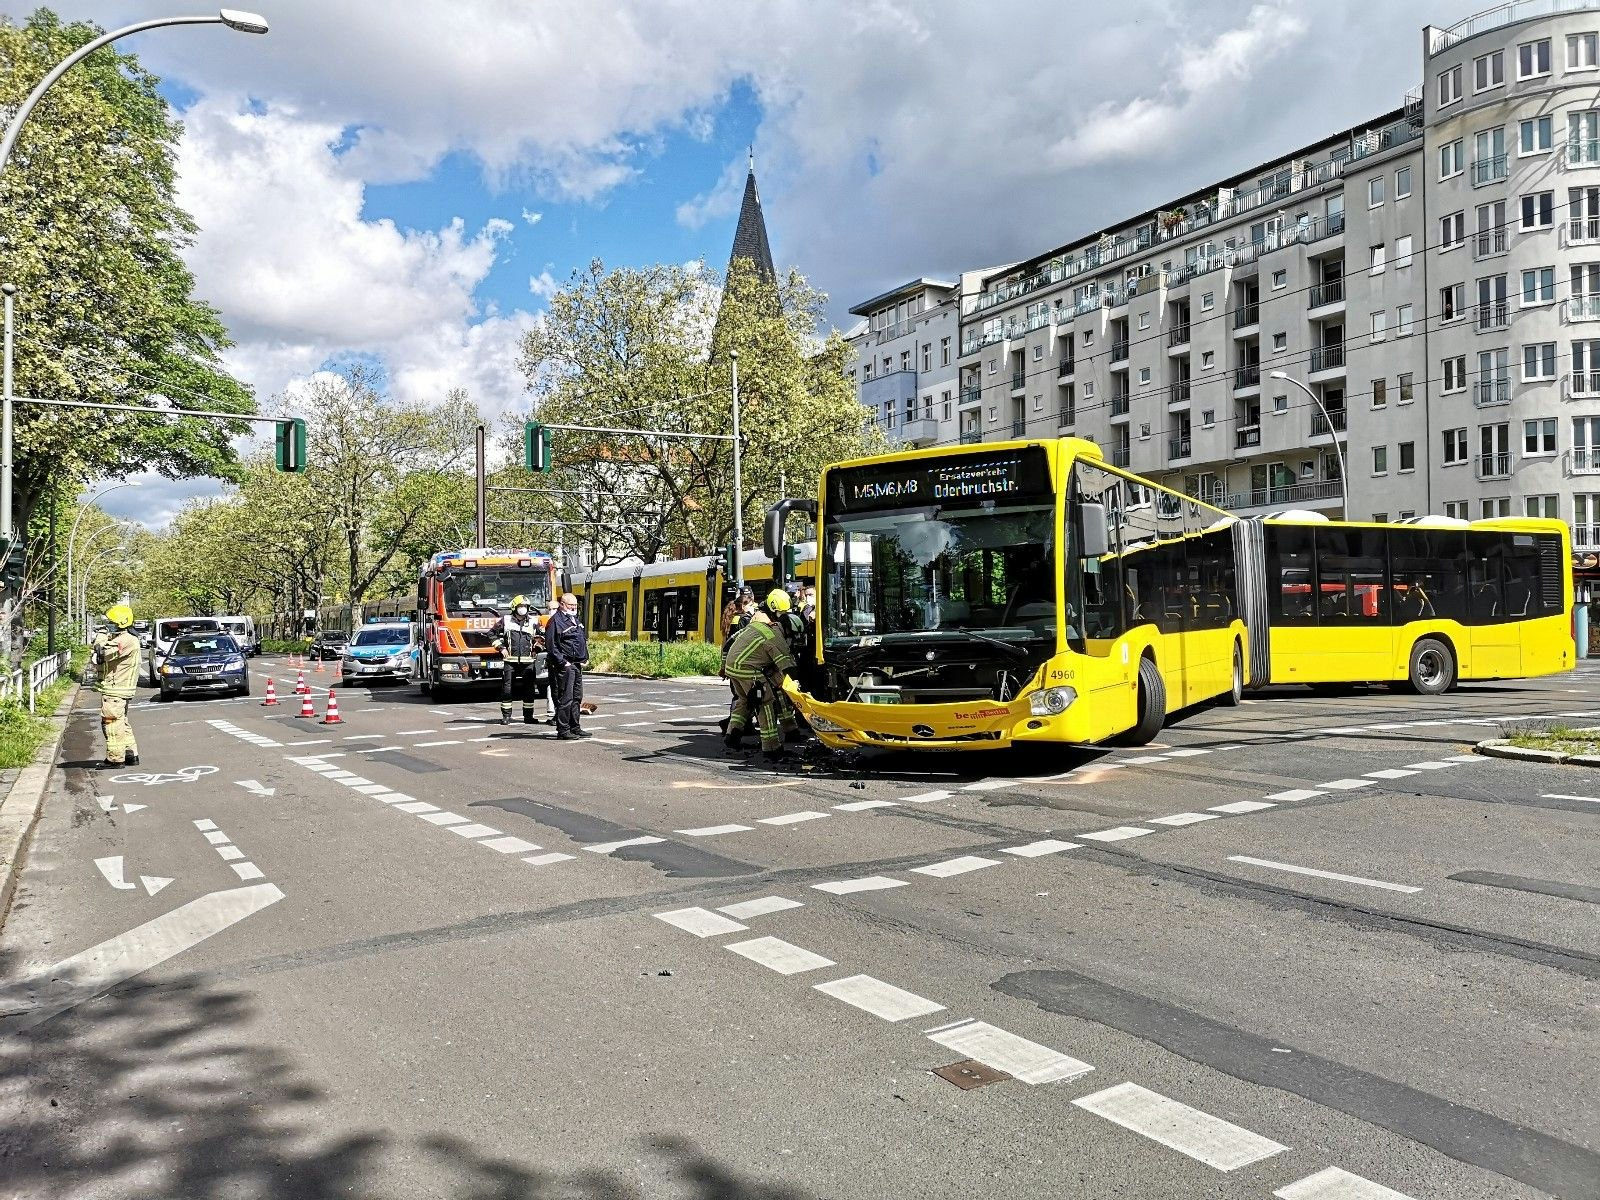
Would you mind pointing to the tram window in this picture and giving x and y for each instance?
(1291, 575)
(610, 613)
(681, 605)
(1352, 588)
(1427, 569)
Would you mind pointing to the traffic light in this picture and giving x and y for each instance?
(13, 566)
(537, 448)
(791, 562)
(291, 445)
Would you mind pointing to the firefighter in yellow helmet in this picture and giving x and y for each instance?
(117, 654)
(757, 663)
(520, 639)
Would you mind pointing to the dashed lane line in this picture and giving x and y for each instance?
(1200, 1136)
(870, 883)
(955, 866)
(231, 854)
(778, 955)
(1334, 1184)
(1025, 1060)
(1319, 874)
(881, 999)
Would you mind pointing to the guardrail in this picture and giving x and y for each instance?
(25, 684)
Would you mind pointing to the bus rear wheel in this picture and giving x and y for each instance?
(1234, 696)
(1433, 668)
(1152, 706)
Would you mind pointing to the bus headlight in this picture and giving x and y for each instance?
(1051, 702)
(823, 725)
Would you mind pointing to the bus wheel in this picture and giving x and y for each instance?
(1152, 706)
(1433, 667)
(1234, 695)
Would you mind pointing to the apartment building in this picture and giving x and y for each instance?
(1402, 318)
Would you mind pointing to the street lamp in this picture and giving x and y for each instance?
(118, 526)
(83, 586)
(73, 536)
(1344, 478)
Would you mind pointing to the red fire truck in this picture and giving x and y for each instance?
(461, 596)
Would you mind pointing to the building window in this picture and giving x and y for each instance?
(927, 357)
(1489, 71)
(1280, 342)
(1280, 404)
(905, 360)
(944, 352)
(1543, 506)
(1538, 210)
(1456, 509)
(1453, 302)
(1208, 360)
(1449, 86)
(1455, 374)
(1405, 388)
(944, 406)
(1539, 285)
(1533, 59)
(1144, 320)
(1535, 135)
(1402, 183)
(1539, 437)
(1380, 393)
(1375, 191)
(1498, 506)
(1208, 417)
(1452, 230)
(1280, 279)
(1407, 514)
(1380, 460)
(1581, 51)
(1402, 250)
(1380, 518)
(993, 365)
(1380, 325)
(1379, 256)
(1144, 375)
(1539, 362)
(1450, 159)
(1208, 301)
(1403, 320)
(1455, 446)
(1408, 456)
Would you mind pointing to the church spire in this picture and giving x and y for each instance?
(750, 238)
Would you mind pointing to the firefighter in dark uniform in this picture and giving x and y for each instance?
(520, 640)
(758, 664)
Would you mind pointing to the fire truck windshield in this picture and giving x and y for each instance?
(492, 589)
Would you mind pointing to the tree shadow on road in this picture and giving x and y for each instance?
(157, 1090)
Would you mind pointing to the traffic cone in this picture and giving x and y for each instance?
(301, 687)
(320, 669)
(305, 706)
(272, 693)
(332, 717)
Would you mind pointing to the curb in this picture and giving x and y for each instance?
(1501, 748)
(19, 811)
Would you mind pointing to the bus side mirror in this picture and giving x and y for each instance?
(777, 518)
(1092, 541)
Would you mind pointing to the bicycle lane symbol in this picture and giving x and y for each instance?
(151, 779)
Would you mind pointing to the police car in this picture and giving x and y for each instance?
(377, 652)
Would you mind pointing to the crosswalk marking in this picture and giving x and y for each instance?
(1334, 1184)
(1040, 848)
(746, 909)
(956, 866)
(701, 922)
(1183, 818)
(878, 998)
(871, 883)
(1242, 806)
(1016, 1056)
(1119, 834)
(778, 955)
(1211, 1140)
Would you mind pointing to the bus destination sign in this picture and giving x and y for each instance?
(1006, 478)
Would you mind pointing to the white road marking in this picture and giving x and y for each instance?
(1038, 849)
(1345, 785)
(1334, 1184)
(247, 870)
(446, 742)
(1119, 834)
(863, 805)
(955, 866)
(879, 998)
(1296, 794)
(1391, 773)
(361, 737)
(791, 818)
(509, 844)
(205, 824)
(925, 798)
(610, 741)
(544, 860)
(379, 749)
(1564, 796)
(1278, 866)
(870, 883)
(217, 837)
(153, 883)
(701, 922)
(396, 799)
(230, 853)
(746, 909)
(778, 955)
(341, 775)
(989, 785)
(111, 868)
(413, 732)
(1430, 766)
(1142, 760)
(1016, 1056)
(608, 847)
(713, 830)
(36, 998)
(1187, 753)
(1202, 1137)
(1241, 806)
(418, 806)
(373, 789)
(443, 818)
(353, 781)
(1472, 758)
(634, 724)
(476, 831)
(133, 808)
(1185, 818)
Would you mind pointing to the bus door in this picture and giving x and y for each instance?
(1496, 631)
(1353, 610)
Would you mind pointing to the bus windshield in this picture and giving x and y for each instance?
(972, 556)
(488, 589)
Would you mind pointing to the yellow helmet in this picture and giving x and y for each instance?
(120, 615)
(778, 600)
(518, 602)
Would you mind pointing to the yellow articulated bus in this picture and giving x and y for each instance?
(681, 600)
(1009, 593)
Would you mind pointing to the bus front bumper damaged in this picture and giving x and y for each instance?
(1046, 715)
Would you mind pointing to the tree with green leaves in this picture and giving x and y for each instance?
(90, 234)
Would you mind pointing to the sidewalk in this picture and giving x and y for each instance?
(24, 792)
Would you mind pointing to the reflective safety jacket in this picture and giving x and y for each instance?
(758, 651)
(118, 657)
(519, 639)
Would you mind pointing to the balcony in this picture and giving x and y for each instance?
(971, 437)
(1584, 460)
(1246, 316)
(1019, 380)
(1247, 377)
(1327, 426)
(1488, 243)
(1491, 316)
(1582, 231)
(1294, 495)
(1068, 415)
(1494, 466)
(1178, 391)
(1327, 358)
(1490, 170)
(1586, 537)
(1119, 351)
(1584, 308)
(1582, 152)
(1247, 436)
(1488, 392)
(1582, 383)
(1119, 456)
(1178, 337)
(1019, 427)
(918, 431)
(1066, 367)
(1177, 448)
(1119, 406)
(971, 393)
(1324, 294)
(894, 388)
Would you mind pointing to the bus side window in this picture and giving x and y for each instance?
(1290, 574)
(1485, 596)
(1352, 577)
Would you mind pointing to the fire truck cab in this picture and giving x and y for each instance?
(461, 596)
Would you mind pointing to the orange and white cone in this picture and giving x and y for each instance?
(320, 669)
(305, 707)
(301, 687)
(272, 693)
(332, 717)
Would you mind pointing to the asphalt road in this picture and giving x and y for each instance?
(419, 955)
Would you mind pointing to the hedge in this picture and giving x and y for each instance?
(653, 659)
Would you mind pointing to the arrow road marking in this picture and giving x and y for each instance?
(133, 808)
(255, 787)
(153, 883)
(111, 868)
(107, 803)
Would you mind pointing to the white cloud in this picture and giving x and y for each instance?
(531, 217)
(544, 285)
(721, 201)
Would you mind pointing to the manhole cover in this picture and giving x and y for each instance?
(970, 1073)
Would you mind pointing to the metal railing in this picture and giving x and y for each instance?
(1179, 335)
(1331, 292)
(1583, 460)
(1177, 448)
(1119, 350)
(1247, 436)
(1119, 456)
(1284, 496)
(1494, 466)
(1488, 242)
(971, 393)
(1582, 152)
(1120, 405)
(1248, 376)
(1019, 427)
(1246, 315)
(1586, 537)
(1583, 231)
(1179, 390)
(1334, 422)
(1068, 415)
(1583, 383)
(1327, 358)
(23, 684)
(1500, 15)
(970, 437)
(1066, 367)
(1492, 316)
(1019, 380)
(1490, 170)
(1488, 392)
(1584, 307)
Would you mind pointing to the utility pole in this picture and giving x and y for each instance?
(7, 610)
(50, 596)
(481, 491)
(736, 566)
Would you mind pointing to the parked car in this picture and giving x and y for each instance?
(204, 662)
(379, 652)
(165, 632)
(329, 643)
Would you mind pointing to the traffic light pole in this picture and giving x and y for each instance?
(737, 565)
(480, 491)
